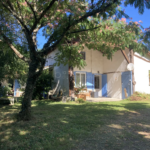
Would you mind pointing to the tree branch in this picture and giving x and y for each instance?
(77, 31)
(19, 9)
(16, 16)
(8, 41)
(41, 16)
(88, 14)
(10, 5)
(47, 49)
(51, 48)
(31, 9)
(41, 67)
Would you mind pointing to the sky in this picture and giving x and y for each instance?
(129, 10)
(133, 13)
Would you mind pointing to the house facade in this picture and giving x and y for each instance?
(103, 77)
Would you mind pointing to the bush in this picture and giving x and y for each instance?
(43, 85)
(137, 96)
(4, 101)
(4, 90)
(80, 100)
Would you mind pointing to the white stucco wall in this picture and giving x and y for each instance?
(141, 74)
(94, 61)
(60, 74)
(118, 62)
(114, 87)
(50, 58)
(97, 62)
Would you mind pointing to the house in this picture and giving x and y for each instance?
(103, 77)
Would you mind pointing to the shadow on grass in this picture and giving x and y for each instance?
(67, 125)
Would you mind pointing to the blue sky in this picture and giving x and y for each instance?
(145, 17)
(130, 10)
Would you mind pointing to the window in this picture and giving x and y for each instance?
(96, 79)
(80, 79)
(83, 55)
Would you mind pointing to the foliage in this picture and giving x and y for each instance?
(11, 67)
(80, 100)
(43, 85)
(4, 101)
(64, 21)
(4, 90)
(109, 38)
(145, 37)
(140, 4)
(77, 90)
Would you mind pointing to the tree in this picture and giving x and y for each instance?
(62, 22)
(11, 67)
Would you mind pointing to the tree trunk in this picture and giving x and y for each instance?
(25, 113)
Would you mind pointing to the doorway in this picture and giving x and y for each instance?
(97, 86)
(126, 78)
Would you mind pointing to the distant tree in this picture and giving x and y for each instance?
(61, 21)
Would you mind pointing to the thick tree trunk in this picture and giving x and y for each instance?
(25, 113)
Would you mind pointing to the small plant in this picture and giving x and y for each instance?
(77, 90)
(80, 100)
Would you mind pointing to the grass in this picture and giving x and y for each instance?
(71, 126)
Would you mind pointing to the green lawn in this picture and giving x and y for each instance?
(71, 126)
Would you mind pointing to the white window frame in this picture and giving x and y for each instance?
(80, 78)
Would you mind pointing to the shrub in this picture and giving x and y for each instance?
(4, 90)
(137, 96)
(80, 100)
(43, 85)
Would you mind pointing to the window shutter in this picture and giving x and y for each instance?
(104, 85)
(89, 80)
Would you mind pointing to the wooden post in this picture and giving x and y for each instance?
(132, 61)
(125, 56)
